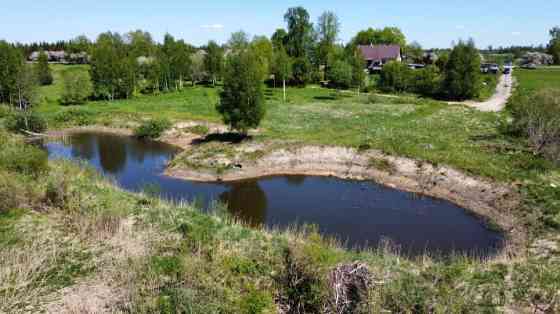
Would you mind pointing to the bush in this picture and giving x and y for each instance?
(75, 116)
(25, 159)
(427, 81)
(395, 77)
(10, 193)
(4, 111)
(152, 128)
(537, 116)
(301, 69)
(340, 74)
(25, 121)
(77, 87)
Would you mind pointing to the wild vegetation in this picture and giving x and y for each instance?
(68, 235)
(133, 252)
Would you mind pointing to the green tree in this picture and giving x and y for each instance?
(554, 44)
(427, 81)
(164, 60)
(414, 52)
(197, 67)
(174, 62)
(77, 87)
(26, 88)
(11, 63)
(395, 77)
(181, 61)
(140, 44)
(79, 44)
(282, 67)
(300, 32)
(301, 71)
(442, 60)
(279, 38)
(358, 69)
(262, 49)
(328, 29)
(213, 62)
(238, 41)
(112, 70)
(242, 102)
(462, 72)
(385, 36)
(42, 70)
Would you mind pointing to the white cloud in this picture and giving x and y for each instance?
(516, 33)
(212, 26)
(460, 27)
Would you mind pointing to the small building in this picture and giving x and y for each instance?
(537, 58)
(53, 56)
(378, 55)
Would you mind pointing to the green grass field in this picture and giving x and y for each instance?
(540, 78)
(406, 126)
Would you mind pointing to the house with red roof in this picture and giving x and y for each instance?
(378, 55)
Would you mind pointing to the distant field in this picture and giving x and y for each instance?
(543, 77)
(405, 126)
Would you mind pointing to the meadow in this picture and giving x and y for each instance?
(73, 241)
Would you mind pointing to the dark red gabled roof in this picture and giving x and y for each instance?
(380, 52)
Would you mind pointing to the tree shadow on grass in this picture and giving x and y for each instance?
(229, 137)
(325, 97)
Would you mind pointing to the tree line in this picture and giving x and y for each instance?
(123, 65)
(18, 80)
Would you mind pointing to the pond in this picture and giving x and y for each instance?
(359, 213)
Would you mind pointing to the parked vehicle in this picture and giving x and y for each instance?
(529, 66)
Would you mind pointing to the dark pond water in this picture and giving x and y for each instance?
(360, 213)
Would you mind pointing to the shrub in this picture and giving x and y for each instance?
(427, 81)
(77, 87)
(25, 159)
(537, 116)
(10, 193)
(256, 301)
(301, 69)
(25, 121)
(4, 111)
(75, 116)
(340, 74)
(395, 77)
(152, 128)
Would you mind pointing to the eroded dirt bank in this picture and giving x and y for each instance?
(485, 199)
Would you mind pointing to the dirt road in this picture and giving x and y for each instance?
(498, 101)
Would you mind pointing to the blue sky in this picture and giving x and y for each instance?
(433, 23)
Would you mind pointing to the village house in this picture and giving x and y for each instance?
(537, 58)
(61, 57)
(378, 55)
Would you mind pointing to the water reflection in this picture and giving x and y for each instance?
(247, 201)
(357, 212)
(112, 153)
